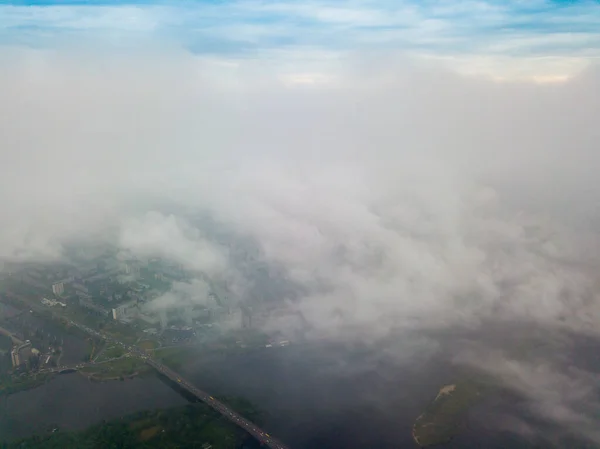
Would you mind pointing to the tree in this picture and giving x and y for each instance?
(34, 361)
(5, 343)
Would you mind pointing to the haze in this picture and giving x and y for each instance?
(397, 195)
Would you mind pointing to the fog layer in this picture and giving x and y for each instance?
(395, 196)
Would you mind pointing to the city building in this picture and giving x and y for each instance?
(52, 302)
(14, 356)
(246, 317)
(58, 288)
(132, 268)
(125, 311)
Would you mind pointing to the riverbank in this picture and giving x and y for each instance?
(442, 418)
(119, 369)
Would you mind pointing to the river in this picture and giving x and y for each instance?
(314, 396)
(74, 403)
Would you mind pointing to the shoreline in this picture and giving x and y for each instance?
(414, 429)
(445, 390)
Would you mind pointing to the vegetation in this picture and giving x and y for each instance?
(13, 384)
(111, 352)
(5, 343)
(157, 284)
(29, 296)
(174, 357)
(93, 347)
(192, 426)
(17, 286)
(117, 369)
(148, 345)
(120, 331)
(442, 418)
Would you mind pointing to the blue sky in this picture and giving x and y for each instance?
(565, 32)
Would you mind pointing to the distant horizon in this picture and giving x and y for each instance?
(539, 40)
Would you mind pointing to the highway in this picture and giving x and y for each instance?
(234, 417)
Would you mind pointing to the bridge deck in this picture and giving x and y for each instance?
(223, 409)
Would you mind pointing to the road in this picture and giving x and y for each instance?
(60, 368)
(234, 417)
(11, 336)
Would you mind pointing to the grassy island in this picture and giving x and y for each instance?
(442, 418)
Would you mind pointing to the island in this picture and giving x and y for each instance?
(442, 418)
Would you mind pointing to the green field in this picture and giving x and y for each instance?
(191, 426)
(118, 369)
(12, 385)
(111, 352)
(148, 345)
(443, 417)
(174, 357)
(94, 346)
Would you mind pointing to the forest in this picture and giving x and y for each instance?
(191, 426)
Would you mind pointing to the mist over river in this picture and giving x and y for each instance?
(314, 396)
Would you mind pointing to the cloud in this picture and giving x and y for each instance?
(559, 393)
(183, 293)
(394, 194)
(169, 237)
(396, 197)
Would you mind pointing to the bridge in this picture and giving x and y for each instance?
(224, 410)
(260, 435)
(263, 437)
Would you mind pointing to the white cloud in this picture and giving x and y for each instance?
(514, 69)
(157, 235)
(563, 395)
(369, 193)
(399, 196)
(183, 293)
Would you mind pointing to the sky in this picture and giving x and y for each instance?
(412, 166)
(545, 40)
